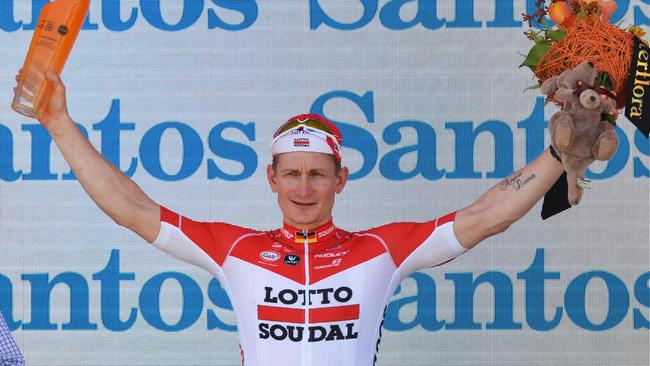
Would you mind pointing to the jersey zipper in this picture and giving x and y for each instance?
(306, 350)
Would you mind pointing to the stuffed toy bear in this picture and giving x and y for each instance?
(579, 133)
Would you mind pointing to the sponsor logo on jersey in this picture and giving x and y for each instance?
(331, 255)
(286, 233)
(316, 333)
(326, 232)
(270, 256)
(287, 321)
(335, 263)
(292, 259)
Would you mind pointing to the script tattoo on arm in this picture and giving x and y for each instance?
(516, 182)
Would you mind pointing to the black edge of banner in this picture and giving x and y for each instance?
(638, 85)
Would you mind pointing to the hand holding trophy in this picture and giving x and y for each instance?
(58, 26)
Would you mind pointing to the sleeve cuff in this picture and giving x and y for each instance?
(163, 235)
(452, 240)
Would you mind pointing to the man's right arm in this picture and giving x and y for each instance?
(115, 194)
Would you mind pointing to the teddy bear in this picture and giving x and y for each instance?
(579, 133)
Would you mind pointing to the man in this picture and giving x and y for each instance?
(308, 293)
(9, 352)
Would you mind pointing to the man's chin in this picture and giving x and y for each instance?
(304, 220)
(305, 223)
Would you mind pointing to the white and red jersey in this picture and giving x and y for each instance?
(309, 297)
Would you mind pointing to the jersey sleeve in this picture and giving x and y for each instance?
(414, 246)
(204, 244)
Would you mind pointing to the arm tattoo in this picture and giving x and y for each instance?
(516, 182)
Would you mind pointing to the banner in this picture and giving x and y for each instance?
(184, 96)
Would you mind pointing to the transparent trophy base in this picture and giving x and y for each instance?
(30, 94)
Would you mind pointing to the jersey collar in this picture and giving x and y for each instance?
(320, 234)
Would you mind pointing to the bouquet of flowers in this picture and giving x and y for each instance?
(582, 32)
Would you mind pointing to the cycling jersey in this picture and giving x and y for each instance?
(309, 297)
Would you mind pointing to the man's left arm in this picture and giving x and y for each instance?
(508, 201)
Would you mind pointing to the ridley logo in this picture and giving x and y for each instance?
(270, 256)
(331, 255)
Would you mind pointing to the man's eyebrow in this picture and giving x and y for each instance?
(311, 171)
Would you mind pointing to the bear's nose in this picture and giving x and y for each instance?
(592, 98)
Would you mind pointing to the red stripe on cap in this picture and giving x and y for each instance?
(278, 314)
(335, 151)
(334, 314)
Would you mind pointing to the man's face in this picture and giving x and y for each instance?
(306, 183)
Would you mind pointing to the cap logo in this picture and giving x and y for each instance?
(307, 133)
(301, 142)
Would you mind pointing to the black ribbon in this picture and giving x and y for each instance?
(556, 199)
(637, 100)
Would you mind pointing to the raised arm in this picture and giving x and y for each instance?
(508, 201)
(115, 194)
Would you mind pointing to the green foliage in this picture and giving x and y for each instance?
(542, 45)
(609, 118)
(556, 35)
(536, 53)
(605, 80)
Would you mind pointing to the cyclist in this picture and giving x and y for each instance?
(308, 293)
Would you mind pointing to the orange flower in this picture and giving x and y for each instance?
(607, 8)
(559, 12)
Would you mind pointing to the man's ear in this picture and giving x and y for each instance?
(270, 176)
(342, 175)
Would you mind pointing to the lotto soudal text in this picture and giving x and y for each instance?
(332, 322)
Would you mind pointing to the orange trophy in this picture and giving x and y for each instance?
(58, 26)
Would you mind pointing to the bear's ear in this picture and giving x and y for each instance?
(549, 86)
(587, 71)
